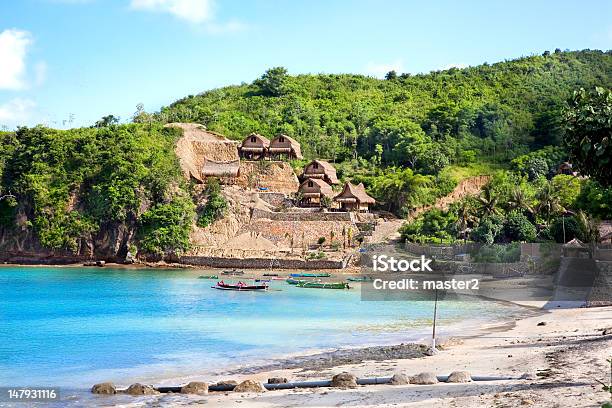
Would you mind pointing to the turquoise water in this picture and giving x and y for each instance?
(72, 327)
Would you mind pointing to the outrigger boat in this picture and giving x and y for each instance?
(310, 275)
(323, 285)
(361, 279)
(240, 286)
(232, 272)
(208, 277)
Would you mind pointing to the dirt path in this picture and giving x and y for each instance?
(468, 187)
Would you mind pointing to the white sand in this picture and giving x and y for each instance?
(570, 347)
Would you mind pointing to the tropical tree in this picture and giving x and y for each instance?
(588, 125)
(519, 200)
(465, 216)
(549, 202)
(488, 201)
(273, 82)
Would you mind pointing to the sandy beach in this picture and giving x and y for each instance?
(563, 350)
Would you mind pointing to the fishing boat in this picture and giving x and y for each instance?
(292, 281)
(310, 275)
(361, 279)
(232, 272)
(240, 286)
(271, 274)
(323, 285)
(262, 280)
(208, 277)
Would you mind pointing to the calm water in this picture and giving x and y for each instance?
(73, 327)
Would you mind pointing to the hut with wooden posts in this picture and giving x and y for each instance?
(567, 169)
(221, 169)
(254, 146)
(314, 192)
(283, 145)
(319, 169)
(354, 198)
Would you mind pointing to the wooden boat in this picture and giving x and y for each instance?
(233, 272)
(310, 275)
(292, 281)
(208, 277)
(323, 285)
(240, 286)
(361, 279)
(262, 280)
(270, 274)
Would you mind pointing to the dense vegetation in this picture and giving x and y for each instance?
(408, 138)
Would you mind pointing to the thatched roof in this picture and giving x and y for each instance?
(213, 168)
(261, 139)
(605, 230)
(574, 243)
(326, 168)
(295, 145)
(324, 188)
(202, 153)
(356, 192)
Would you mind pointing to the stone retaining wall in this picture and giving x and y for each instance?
(301, 216)
(601, 294)
(261, 263)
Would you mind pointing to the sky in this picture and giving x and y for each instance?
(67, 63)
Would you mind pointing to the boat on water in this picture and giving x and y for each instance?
(310, 275)
(208, 277)
(360, 279)
(240, 286)
(292, 281)
(271, 274)
(323, 285)
(262, 280)
(232, 272)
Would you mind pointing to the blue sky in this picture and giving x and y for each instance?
(69, 62)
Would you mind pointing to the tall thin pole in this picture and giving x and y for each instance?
(433, 334)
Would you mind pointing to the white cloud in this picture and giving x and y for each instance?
(17, 111)
(195, 11)
(379, 70)
(14, 46)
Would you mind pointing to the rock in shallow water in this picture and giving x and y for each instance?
(140, 389)
(459, 377)
(424, 378)
(344, 380)
(195, 387)
(250, 386)
(107, 388)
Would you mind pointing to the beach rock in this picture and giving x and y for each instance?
(399, 379)
(195, 387)
(249, 386)
(140, 389)
(344, 380)
(542, 324)
(226, 383)
(277, 380)
(424, 378)
(526, 401)
(606, 331)
(107, 388)
(459, 377)
(528, 376)
(430, 351)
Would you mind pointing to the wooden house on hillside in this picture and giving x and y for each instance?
(567, 169)
(354, 198)
(312, 192)
(320, 169)
(283, 145)
(254, 146)
(224, 170)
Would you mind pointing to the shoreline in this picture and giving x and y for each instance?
(564, 356)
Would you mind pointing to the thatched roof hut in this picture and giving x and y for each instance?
(254, 146)
(285, 145)
(212, 168)
(320, 169)
(354, 198)
(203, 153)
(313, 190)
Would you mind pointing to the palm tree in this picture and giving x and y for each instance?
(589, 227)
(519, 201)
(488, 201)
(465, 216)
(549, 201)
